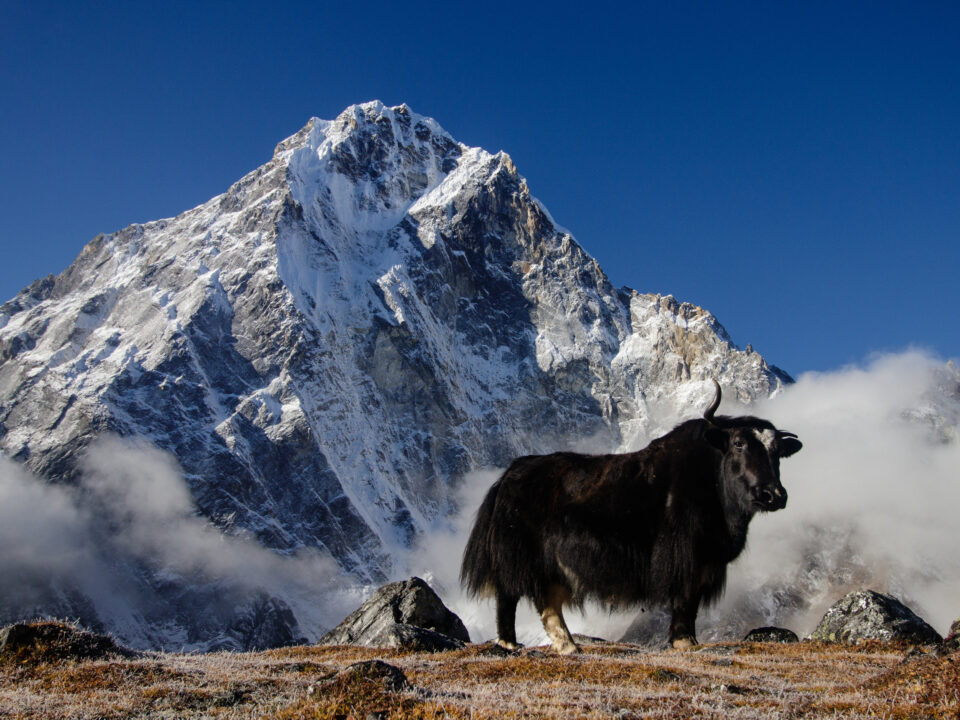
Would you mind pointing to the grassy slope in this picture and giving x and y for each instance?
(610, 680)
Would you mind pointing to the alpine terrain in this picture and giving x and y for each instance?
(327, 349)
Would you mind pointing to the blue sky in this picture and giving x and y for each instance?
(792, 167)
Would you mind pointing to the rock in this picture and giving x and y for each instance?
(387, 676)
(771, 634)
(868, 615)
(401, 636)
(952, 642)
(582, 639)
(922, 652)
(50, 641)
(393, 616)
(491, 649)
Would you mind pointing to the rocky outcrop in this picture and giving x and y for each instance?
(49, 641)
(373, 676)
(952, 642)
(868, 615)
(389, 677)
(771, 634)
(407, 615)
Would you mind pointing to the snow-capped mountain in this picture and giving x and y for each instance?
(328, 347)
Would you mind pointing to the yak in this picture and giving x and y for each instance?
(656, 526)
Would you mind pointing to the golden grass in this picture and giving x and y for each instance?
(612, 680)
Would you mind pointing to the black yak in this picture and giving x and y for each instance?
(656, 526)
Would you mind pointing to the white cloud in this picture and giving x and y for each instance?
(873, 493)
(132, 509)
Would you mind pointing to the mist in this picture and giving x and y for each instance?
(129, 527)
(873, 498)
(873, 494)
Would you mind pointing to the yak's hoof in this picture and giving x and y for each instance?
(567, 648)
(684, 643)
(507, 645)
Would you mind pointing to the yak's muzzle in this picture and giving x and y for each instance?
(769, 499)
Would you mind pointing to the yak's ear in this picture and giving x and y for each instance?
(789, 446)
(717, 437)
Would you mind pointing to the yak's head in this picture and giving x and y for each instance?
(750, 466)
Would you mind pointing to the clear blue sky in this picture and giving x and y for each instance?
(792, 167)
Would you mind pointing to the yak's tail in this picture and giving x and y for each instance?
(477, 569)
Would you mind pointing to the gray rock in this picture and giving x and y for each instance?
(868, 615)
(389, 677)
(582, 639)
(771, 634)
(401, 636)
(491, 649)
(386, 619)
(952, 642)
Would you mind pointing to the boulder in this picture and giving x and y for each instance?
(952, 642)
(771, 634)
(407, 615)
(387, 676)
(370, 680)
(49, 641)
(401, 636)
(868, 615)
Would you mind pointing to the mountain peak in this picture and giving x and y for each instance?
(333, 344)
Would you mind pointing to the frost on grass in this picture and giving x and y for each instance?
(744, 680)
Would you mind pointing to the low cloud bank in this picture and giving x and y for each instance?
(874, 494)
(116, 544)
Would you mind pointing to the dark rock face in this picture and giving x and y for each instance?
(868, 615)
(405, 614)
(54, 641)
(267, 622)
(771, 634)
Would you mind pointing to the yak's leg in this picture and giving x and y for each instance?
(683, 622)
(551, 614)
(507, 621)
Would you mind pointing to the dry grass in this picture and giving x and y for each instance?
(610, 680)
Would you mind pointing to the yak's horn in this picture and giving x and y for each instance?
(784, 433)
(708, 413)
